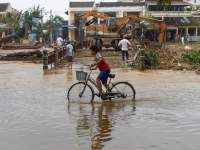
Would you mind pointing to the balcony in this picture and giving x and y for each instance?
(170, 13)
(71, 22)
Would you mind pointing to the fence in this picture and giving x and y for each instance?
(53, 58)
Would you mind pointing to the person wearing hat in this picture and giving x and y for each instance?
(124, 45)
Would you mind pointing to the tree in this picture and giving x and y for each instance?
(11, 22)
(53, 24)
(35, 12)
(164, 3)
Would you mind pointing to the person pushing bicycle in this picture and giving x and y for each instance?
(103, 67)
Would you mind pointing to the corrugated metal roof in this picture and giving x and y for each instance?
(81, 4)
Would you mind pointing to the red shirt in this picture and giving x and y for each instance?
(102, 65)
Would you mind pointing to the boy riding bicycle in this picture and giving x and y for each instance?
(103, 67)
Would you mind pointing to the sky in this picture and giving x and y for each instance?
(58, 7)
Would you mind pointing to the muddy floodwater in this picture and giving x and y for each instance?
(35, 115)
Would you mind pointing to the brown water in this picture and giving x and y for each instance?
(34, 113)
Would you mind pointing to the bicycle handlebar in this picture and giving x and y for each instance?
(90, 67)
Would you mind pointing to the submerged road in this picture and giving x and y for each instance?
(34, 113)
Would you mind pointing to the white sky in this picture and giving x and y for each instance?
(58, 7)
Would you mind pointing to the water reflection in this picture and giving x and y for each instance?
(33, 114)
(69, 72)
(96, 122)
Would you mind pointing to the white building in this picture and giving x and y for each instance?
(193, 2)
(119, 8)
(178, 16)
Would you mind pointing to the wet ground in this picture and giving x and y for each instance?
(34, 113)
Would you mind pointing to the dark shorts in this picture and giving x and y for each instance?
(103, 76)
(69, 58)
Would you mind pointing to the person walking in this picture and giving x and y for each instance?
(182, 40)
(59, 42)
(124, 44)
(69, 53)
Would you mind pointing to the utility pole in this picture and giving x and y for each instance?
(51, 28)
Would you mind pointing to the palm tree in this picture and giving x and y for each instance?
(35, 12)
(11, 21)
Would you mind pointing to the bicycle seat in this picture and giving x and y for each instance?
(111, 75)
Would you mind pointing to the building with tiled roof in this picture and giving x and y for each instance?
(118, 8)
(179, 15)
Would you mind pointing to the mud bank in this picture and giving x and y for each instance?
(169, 59)
(21, 54)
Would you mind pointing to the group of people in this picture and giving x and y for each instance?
(70, 47)
(100, 61)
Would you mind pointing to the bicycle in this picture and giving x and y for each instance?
(139, 58)
(84, 91)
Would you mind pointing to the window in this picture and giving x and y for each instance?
(181, 31)
(198, 32)
(166, 8)
(111, 14)
(191, 31)
(133, 13)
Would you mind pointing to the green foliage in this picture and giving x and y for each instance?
(192, 57)
(164, 4)
(11, 22)
(146, 60)
(36, 12)
(53, 23)
(151, 58)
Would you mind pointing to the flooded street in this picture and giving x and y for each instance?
(35, 115)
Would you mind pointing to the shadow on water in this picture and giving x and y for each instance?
(95, 122)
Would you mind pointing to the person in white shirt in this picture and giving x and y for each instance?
(59, 41)
(124, 45)
(69, 53)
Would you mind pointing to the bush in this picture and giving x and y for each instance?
(192, 57)
(152, 58)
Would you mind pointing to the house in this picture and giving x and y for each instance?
(6, 8)
(114, 9)
(76, 8)
(178, 17)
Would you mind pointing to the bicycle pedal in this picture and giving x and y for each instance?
(104, 98)
(98, 95)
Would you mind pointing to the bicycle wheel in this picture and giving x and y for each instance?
(124, 90)
(80, 92)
